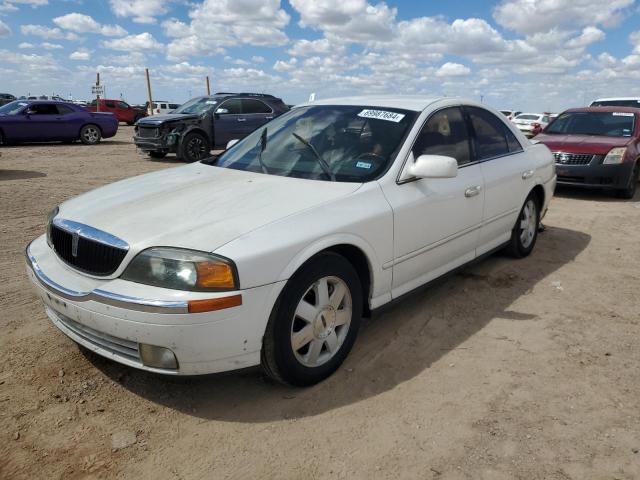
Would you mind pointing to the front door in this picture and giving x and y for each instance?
(228, 122)
(436, 220)
(42, 123)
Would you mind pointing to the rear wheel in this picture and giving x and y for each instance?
(157, 154)
(525, 231)
(194, 147)
(630, 191)
(90, 134)
(314, 323)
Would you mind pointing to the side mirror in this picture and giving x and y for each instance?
(222, 111)
(434, 166)
(231, 143)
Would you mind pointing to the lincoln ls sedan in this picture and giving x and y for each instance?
(271, 253)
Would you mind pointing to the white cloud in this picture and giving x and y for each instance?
(141, 11)
(26, 45)
(81, 55)
(51, 46)
(351, 20)
(257, 59)
(143, 42)
(47, 32)
(451, 69)
(322, 46)
(5, 31)
(80, 23)
(217, 24)
(532, 16)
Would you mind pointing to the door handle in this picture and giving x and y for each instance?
(527, 174)
(242, 119)
(472, 191)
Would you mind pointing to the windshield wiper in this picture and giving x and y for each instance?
(263, 145)
(323, 164)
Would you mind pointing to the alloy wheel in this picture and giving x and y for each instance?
(528, 223)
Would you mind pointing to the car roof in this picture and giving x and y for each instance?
(607, 109)
(416, 103)
(610, 99)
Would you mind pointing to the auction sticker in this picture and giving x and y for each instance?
(382, 115)
(622, 114)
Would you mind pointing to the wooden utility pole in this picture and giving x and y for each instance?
(146, 71)
(208, 87)
(97, 94)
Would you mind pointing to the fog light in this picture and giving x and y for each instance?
(157, 357)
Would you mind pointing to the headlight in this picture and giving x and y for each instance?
(615, 156)
(182, 269)
(50, 218)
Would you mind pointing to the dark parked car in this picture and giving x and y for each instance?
(6, 98)
(596, 147)
(203, 123)
(45, 121)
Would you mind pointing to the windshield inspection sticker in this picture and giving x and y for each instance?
(622, 114)
(366, 165)
(382, 115)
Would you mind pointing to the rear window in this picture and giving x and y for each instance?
(617, 103)
(606, 124)
(528, 117)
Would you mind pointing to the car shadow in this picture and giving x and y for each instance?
(104, 142)
(594, 195)
(20, 174)
(392, 348)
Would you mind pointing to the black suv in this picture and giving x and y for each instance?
(203, 123)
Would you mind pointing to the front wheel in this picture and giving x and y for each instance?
(629, 192)
(90, 135)
(314, 323)
(194, 147)
(525, 231)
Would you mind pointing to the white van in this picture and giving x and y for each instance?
(161, 107)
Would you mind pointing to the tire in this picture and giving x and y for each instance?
(629, 192)
(90, 134)
(194, 147)
(525, 232)
(157, 154)
(325, 336)
(2, 140)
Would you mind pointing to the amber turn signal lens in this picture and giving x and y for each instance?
(212, 304)
(214, 275)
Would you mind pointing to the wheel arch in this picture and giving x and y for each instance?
(95, 124)
(539, 192)
(195, 129)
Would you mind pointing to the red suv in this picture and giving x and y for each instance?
(122, 110)
(596, 147)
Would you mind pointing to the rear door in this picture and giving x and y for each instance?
(229, 121)
(507, 176)
(256, 114)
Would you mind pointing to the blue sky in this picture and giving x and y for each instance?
(524, 54)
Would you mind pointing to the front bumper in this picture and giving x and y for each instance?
(113, 323)
(595, 176)
(162, 143)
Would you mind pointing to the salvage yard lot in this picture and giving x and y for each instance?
(509, 369)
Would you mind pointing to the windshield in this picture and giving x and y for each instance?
(339, 143)
(606, 124)
(12, 108)
(633, 103)
(528, 117)
(196, 105)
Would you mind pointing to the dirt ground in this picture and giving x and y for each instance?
(524, 369)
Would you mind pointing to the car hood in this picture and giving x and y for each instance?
(582, 143)
(197, 206)
(169, 117)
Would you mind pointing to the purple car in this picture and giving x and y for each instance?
(47, 121)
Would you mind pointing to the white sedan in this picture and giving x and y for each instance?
(531, 124)
(271, 253)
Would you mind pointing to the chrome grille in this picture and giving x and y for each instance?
(147, 132)
(83, 252)
(115, 345)
(563, 158)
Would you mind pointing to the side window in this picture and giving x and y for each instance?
(490, 133)
(445, 133)
(254, 106)
(44, 109)
(545, 119)
(233, 106)
(512, 141)
(65, 110)
(109, 104)
(123, 105)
